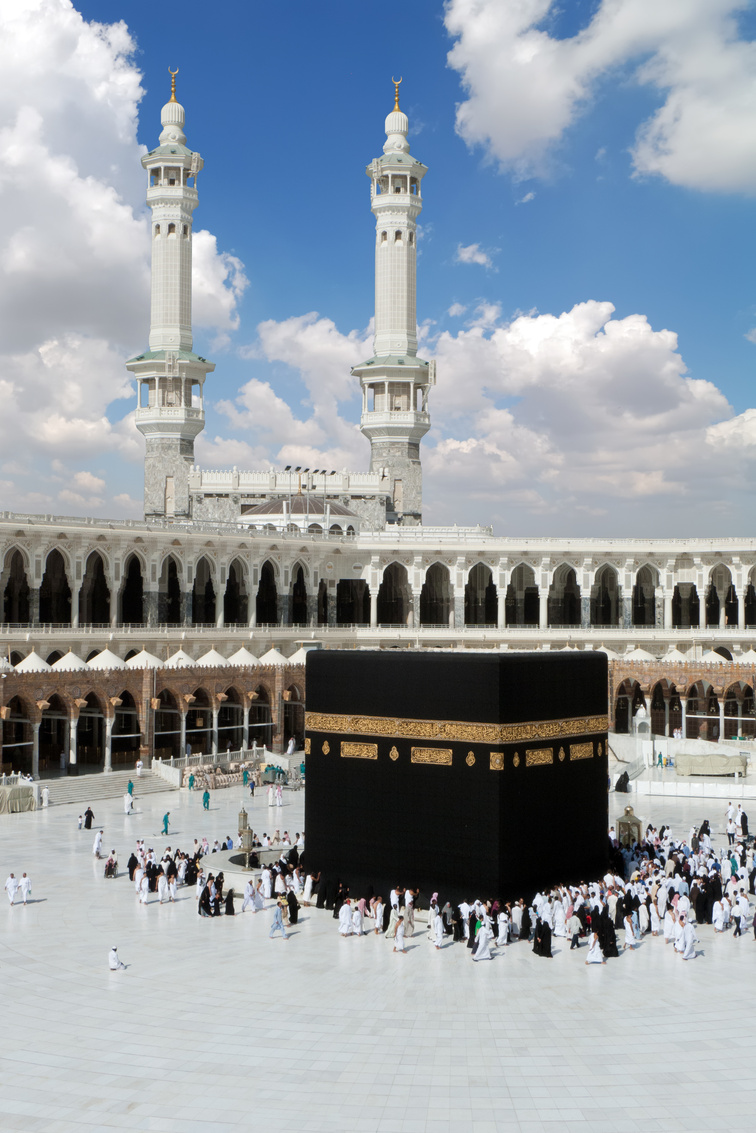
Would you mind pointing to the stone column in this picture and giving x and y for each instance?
(282, 609)
(721, 718)
(245, 726)
(75, 595)
(312, 607)
(683, 723)
(543, 609)
(34, 605)
(332, 602)
(741, 607)
(501, 600)
(722, 598)
(701, 607)
(666, 716)
(182, 735)
(626, 609)
(252, 610)
(457, 613)
(113, 608)
(373, 609)
(214, 737)
(36, 724)
(220, 619)
(108, 763)
(585, 611)
(668, 611)
(659, 611)
(151, 603)
(187, 599)
(414, 612)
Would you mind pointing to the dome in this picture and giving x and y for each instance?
(609, 652)
(33, 664)
(106, 660)
(638, 654)
(144, 660)
(243, 657)
(712, 658)
(70, 663)
(179, 660)
(273, 657)
(300, 656)
(212, 659)
(674, 656)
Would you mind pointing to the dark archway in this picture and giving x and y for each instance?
(394, 603)
(564, 597)
(90, 732)
(16, 606)
(685, 606)
(203, 595)
(199, 723)
(436, 603)
(644, 597)
(235, 599)
(298, 597)
(126, 735)
(605, 597)
(352, 602)
(294, 718)
(267, 596)
(322, 603)
(167, 726)
(132, 594)
(17, 738)
(521, 602)
(702, 713)
(169, 593)
(53, 737)
(481, 597)
(231, 722)
(94, 596)
(55, 593)
(738, 712)
(260, 718)
(627, 702)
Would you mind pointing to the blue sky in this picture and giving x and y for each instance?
(590, 155)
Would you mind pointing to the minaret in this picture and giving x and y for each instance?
(169, 414)
(395, 382)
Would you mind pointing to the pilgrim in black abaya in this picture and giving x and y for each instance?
(203, 908)
(293, 904)
(606, 934)
(525, 924)
(88, 818)
(230, 903)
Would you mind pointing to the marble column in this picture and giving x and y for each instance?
(543, 609)
(683, 722)
(108, 757)
(245, 726)
(585, 611)
(36, 724)
(182, 736)
(214, 738)
(501, 608)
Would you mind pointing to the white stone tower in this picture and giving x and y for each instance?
(169, 412)
(395, 382)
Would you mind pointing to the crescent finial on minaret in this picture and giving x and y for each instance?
(173, 83)
(396, 91)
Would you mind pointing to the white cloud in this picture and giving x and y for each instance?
(526, 87)
(473, 254)
(74, 246)
(456, 310)
(526, 199)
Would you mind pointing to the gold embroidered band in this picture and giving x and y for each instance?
(460, 730)
(581, 751)
(359, 751)
(441, 755)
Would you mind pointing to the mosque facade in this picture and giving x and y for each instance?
(276, 561)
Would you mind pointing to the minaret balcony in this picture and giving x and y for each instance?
(399, 421)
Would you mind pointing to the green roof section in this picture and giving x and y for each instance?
(159, 356)
(174, 148)
(392, 360)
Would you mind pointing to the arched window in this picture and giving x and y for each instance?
(55, 593)
(411, 238)
(203, 594)
(157, 229)
(384, 237)
(398, 234)
(94, 596)
(171, 229)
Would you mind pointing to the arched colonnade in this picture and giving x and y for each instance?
(50, 722)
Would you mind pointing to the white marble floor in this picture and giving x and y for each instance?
(215, 1027)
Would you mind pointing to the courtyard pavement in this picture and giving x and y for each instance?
(213, 1026)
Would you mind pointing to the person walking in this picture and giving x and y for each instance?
(130, 787)
(206, 800)
(97, 845)
(45, 796)
(88, 818)
(24, 887)
(11, 887)
(277, 922)
(166, 816)
(190, 784)
(139, 766)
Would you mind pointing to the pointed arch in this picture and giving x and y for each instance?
(564, 602)
(231, 721)
(55, 591)
(702, 712)
(126, 736)
(94, 596)
(644, 595)
(298, 596)
(16, 590)
(132, 592)
(394, 596)
(521, 602)
(266, 601)
(605, 597)
(436, 602)
(203, 593)
(481, 597)
(169, 592)
(236, 598)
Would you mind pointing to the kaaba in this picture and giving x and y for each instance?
(477, 775)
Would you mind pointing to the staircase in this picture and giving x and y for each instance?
(89, 788)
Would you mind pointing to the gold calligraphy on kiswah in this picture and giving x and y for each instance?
(438, 755)
(358, 751)
(539, 756)
(459, 730)
(581, 751)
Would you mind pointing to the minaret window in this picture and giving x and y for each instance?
(398, 236)
(171, 229)
(157, 229)
(186, 231)
(412, 237)
(384, 237)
